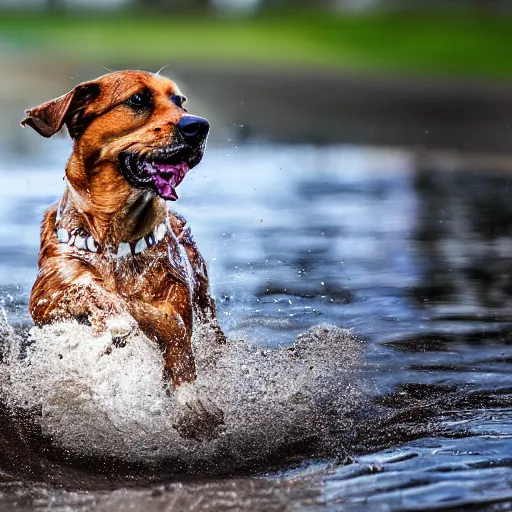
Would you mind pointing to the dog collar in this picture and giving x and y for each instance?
(81, 240)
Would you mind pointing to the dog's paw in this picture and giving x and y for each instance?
(197, 418)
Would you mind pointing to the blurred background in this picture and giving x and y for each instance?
(419, 74)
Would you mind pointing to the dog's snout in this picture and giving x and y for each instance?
(193, 129)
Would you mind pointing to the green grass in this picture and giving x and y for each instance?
(428, 44)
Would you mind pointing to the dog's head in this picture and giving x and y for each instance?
(134, 121)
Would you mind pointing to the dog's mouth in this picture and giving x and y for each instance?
(161, 170)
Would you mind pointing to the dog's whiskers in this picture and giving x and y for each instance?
(161, 69)
(107, 69)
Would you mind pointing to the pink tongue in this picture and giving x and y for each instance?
(164, 188)
(165, 185)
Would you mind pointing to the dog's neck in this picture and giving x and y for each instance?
(91, 202)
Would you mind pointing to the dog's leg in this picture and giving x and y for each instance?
(172, 330)
(196, 418)
(66, 289)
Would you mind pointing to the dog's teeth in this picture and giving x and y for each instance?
(124, 250)
(63, 236)
(71, 240)
(150, 238)
(91, 244)
(141, 246)
(80, 242)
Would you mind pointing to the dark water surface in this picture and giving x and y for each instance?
(417, 262)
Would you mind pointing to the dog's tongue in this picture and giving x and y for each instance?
(165, 188)
(167, 177)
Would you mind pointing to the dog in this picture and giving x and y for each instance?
(110, 247)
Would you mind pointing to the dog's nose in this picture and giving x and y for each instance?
(193, 129)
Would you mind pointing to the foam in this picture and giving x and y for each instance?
(95, 399)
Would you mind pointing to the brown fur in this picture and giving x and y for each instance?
(147, 286)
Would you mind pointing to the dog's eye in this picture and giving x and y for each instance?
(179, 100)
(140, 100)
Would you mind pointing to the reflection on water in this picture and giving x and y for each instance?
(416, 261)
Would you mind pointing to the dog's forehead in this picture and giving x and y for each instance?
(163, 85)
(124, 83)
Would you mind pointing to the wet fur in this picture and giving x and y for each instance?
(147, 286)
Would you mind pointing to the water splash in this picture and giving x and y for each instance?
(93, 399)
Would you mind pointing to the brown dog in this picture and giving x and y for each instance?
(110, 246)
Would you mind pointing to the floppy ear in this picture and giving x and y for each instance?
(48, 118)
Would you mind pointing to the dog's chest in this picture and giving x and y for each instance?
(154, 273)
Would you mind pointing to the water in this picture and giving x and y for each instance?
(410, 412)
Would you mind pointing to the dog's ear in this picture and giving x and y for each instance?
(48, 118)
